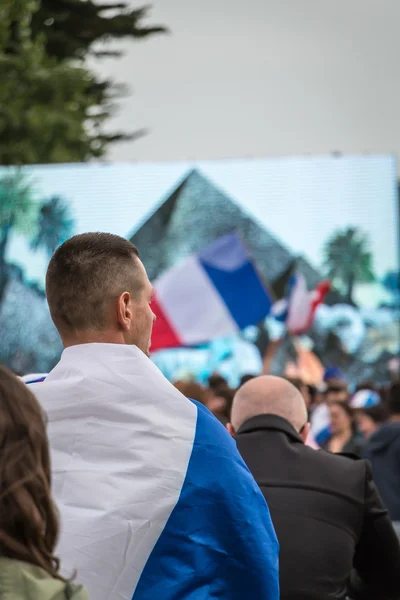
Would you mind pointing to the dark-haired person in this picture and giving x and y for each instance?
(219, 402)
(245, 378)
(192, 390)
(336, 390)
(370, 419)
(28, 517)
(383, 452)
(154, 498)
(344, 436)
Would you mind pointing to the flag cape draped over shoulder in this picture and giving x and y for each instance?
(154, 498)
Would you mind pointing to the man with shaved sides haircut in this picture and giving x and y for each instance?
(336, 540)
(154, 498)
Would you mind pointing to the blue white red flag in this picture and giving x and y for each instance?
(212, 294)
(155, 501)
(298, 309)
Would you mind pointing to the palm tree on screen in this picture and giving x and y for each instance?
(348, 260)
(18, 211)
(54, 225)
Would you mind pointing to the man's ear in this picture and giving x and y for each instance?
(230, 429)
(305, 432)
(124, 311)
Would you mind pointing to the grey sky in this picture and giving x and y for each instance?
(262, 78)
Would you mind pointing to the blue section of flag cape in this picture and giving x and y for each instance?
(223, 540)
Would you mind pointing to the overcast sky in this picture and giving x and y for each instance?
(262, 78)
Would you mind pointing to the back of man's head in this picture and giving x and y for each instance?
(267, 395)
(91, 282)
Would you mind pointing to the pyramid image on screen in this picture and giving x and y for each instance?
(196, 213)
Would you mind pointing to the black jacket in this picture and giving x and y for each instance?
(383, 451)
(327, 515)
(353, 446)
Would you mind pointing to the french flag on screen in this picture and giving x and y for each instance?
(298, 309)
(211, 294)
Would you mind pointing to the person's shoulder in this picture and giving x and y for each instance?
(211, 432)
(25, 580)
(216, 450)
(341, 462)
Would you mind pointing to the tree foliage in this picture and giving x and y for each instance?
(73, 26)
(52, 108)
(391, 282)
(54, 225)
(44, 223)
(348, 260)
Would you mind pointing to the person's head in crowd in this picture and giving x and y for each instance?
(370, 418)
(28, 517)
(344, 436)
(303, 389)
(333, 374)
(245, 378)
(192, 390)
(336, 391)
(394, 402)
(394, 369)
(268, 395)
(366, 385)
(98, 291)
(342, 418)
(220, 402)
(215, 381)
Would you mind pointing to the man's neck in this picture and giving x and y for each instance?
(394, 419)
(93, 337)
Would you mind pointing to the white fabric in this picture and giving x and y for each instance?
(33, 377)
(320, 419)
(192, 304)
(121, 438)
(299, 306)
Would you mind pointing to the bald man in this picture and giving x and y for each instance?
(335, 536)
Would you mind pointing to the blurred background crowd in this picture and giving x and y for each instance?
(163, 125)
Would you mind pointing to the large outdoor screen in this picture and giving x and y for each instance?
(327, 217)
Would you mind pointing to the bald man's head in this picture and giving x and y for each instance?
(268, 395)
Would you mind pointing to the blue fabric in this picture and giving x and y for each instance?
(323, 436)
(372, 399)
(333, 373)
(226, 253)
(219, 542)
(242, 292)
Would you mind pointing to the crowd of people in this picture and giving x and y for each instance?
(139, 489)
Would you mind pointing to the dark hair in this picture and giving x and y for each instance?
(28, 517)
(366, 385)
(394, 399)
(349, 412)
(191, 390)
(377, 413)
(216, 380)
(245, 378)
(83, 276)
(227, 393)
(336, 386)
